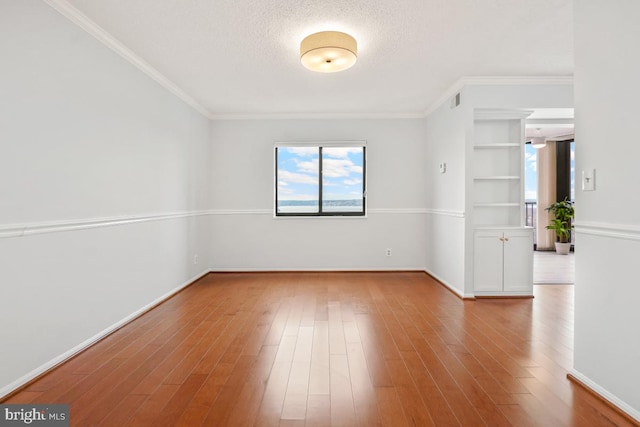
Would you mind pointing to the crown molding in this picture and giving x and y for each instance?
(550, 123)
(517, 80)
(496, 113)
(498, 81)
(82, 21)
(446, 95)
(316, 116)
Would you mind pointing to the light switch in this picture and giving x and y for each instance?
(443, 167)
(589, 180)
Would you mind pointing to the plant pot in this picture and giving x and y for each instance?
(563, 248)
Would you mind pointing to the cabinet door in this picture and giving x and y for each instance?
(487, 261)
(518, 260)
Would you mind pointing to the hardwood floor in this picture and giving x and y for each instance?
(339, 349)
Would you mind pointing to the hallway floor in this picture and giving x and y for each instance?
(551, 268)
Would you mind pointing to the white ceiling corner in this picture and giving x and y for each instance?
(239, 59)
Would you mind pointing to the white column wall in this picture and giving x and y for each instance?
(607, 348)
(445, 243)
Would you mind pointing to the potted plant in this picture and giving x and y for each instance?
(563, 213)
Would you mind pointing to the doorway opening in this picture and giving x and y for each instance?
(549, 177)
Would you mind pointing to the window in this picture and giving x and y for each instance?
(320, 180)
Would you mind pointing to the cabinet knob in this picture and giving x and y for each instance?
(506, 239)
(502, 239)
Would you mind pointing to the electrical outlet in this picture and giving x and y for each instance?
(388, 252)
(195, 259)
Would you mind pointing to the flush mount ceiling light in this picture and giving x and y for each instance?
(538, 141)
(328, 51)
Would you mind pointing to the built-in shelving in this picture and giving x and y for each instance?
(503, 247)
(498, 164)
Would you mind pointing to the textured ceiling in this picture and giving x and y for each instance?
(242, 56)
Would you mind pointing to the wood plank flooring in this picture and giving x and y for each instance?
(331, 349)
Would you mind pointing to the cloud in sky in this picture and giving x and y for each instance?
(298, 172)
(302, 151)
(282, 188)
(310, 167)
(340, 152)
(352, 181)
(285, 177)
(530, 195)
(531, 161)
(332, 168)
(336, 168)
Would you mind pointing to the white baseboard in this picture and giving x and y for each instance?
(303, 270)
(449, 286)
(623, 406)
(11, 387)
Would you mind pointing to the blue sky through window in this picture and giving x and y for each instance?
(530, 173)
(298, 178)
(573, 170)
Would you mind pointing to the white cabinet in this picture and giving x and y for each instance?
(503, 262)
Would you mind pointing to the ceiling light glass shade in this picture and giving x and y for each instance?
(538, 141)
(328, 51)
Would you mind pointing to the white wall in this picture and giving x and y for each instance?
(519, 96)
(607, 348)
(94, 155)
(445, 244)
(449, 138)
(246, 236)
(506, 96)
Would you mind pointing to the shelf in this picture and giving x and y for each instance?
(496, 205)
(496, 177)
(497, 170)
(508, 145)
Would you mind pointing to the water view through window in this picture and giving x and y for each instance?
(320, 180)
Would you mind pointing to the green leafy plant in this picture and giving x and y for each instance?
(563, 211)
(562, 229)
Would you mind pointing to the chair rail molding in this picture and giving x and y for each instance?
(603, 229)
(45, 227)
